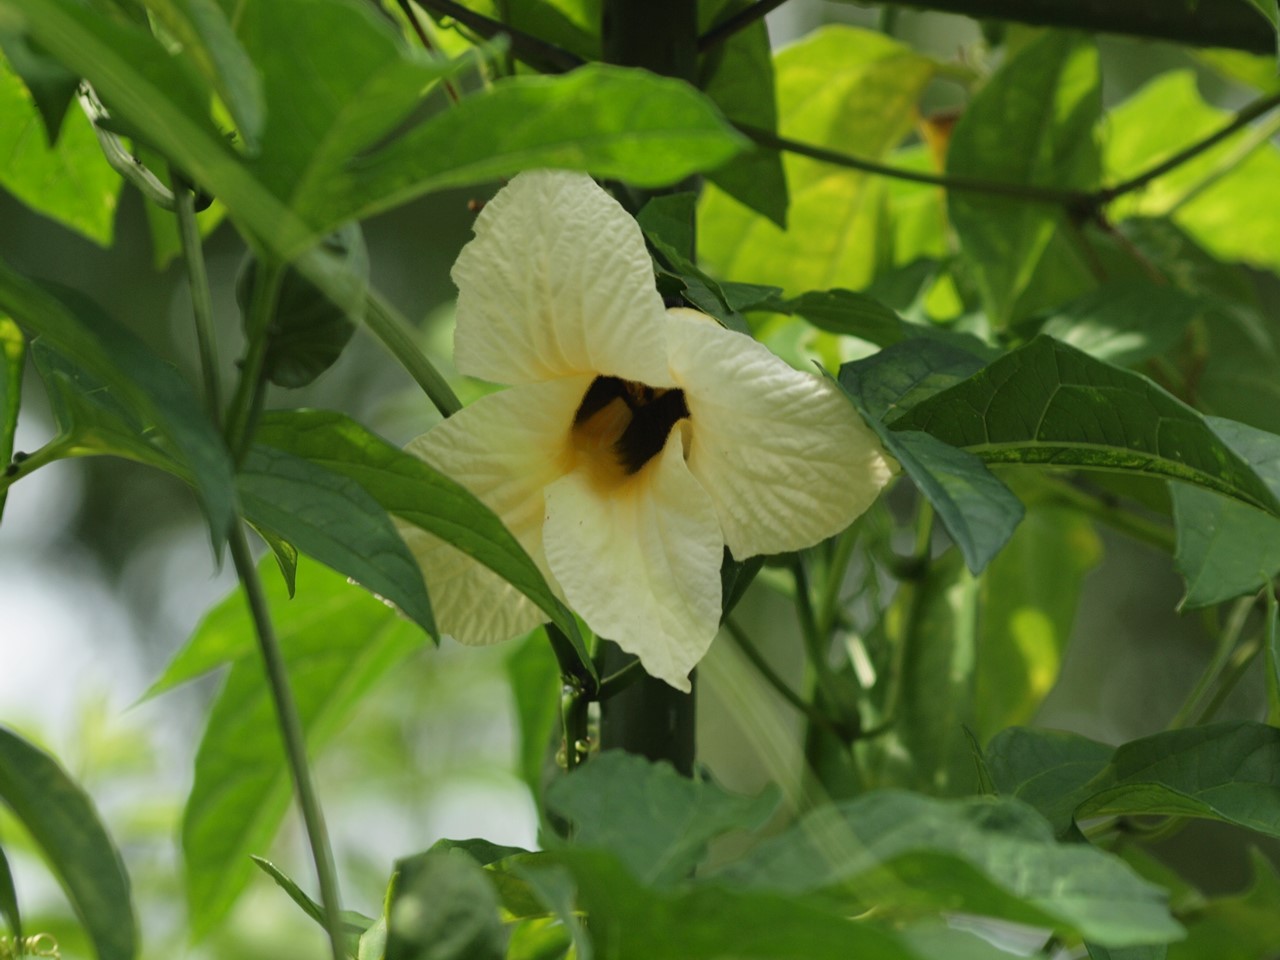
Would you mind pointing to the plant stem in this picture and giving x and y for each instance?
(1239, 666)
(1140, 528)
(1227, 640)
(744, 18)
(388, 325)
(294, 741)
(247, 402)
(412, 16)
(532, 50)
(829, 602)
(619, 680)
(201, 299)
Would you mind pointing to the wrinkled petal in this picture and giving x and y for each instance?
(505, 448)
(641, 564)
(786, 458)
(556, 283)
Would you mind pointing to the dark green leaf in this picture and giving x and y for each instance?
(9, 899)
(1048, 769)
(1241, 927)
(417, 494)
(338, 642)
(668, 219)
(69, 181)
(613, 122)
(1125, 322)
(309, 331)
(895, 379)
(1226, 549)
(1032, 124)
(483, 852)
(63, 822)
(992, 857)
(286, 555)
(738, 76)
(13, 352)
(330, 517)
(655, 821)
(443, 908)
(1223, 771)
(1047, 403)
(353, 924)
(210, 44)
(52, 86)
(846, 312)
(149, 389)
(554, 886)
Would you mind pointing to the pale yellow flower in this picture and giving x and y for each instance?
(633, 442)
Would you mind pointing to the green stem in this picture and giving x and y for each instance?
(22, 465)
(619, 680)
(1257, 139)
(573, 721)
(294, 740)
(1228, 638)
(744, 18)
(1273, 655)
(247, 402)
(572, 669)
(829, 602)
(752, 653)
(388, 325)
(531, 50)
(201, 299)
(1140, 528)
(1239, 666)
(816, 643)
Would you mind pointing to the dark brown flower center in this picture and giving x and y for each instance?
(630, 419)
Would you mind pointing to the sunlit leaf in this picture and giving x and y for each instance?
(63, 822)
(337, 642)
(655, 821)
(1125, 323)
(842, 88)
(52, 86)
(1030, 125)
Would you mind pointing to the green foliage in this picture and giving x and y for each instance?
(443, 908)
(62, 820)
(9, 899)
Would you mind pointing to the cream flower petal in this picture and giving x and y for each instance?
(786, 459)
(641, 564)
(505, 448)
(557, 282)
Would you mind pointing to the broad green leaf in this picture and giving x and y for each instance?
(417, 494)
(9, 899)
(13, 352)
(554, 887)
(208, 41)
(978, 510)
(353, 924)
(63, 822)
(991, 857)
(535, 686)
(1222, 197)
(1224, 771)
(1271, 10)
(483, 852)
(1031, 125)
(841, 88)
(738, 76)
(1241, 927)
(1125, 323)
(1048, 769)
(655, 821)
(333, 519)
(847, 313)
(1047, 403)
(1249, 69)
(52, 86)
(69, 182)
(1226, 549)
(1149, 952)
(1029, 596)
(443, 908)
(139, 382)
(338, 642)
(629, 921)
(308, 331)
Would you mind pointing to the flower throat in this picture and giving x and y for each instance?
(630, 418)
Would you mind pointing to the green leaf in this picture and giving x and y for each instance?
(13, 351)
(840, 88)
(978, 510)
(1047, 403)
(1223, 771)
(443, 908)
(1241, 927)
(535, 687)
(63, 822)
(1048, 769)
(353, 924)
(1125, 322)
(337, 642)
(52, 86)
(69, 182)
(615, 122)
(483, 852)
(153, 392)
(1031, 125)
(9, 899)
(1150, 952)
(991, 857)
(332, 518)
(309, 331)
(1226, 549)
(417, 494)
(655, 821)
(738, 76)
(628, 921)
(555, 888)
(847, 313)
